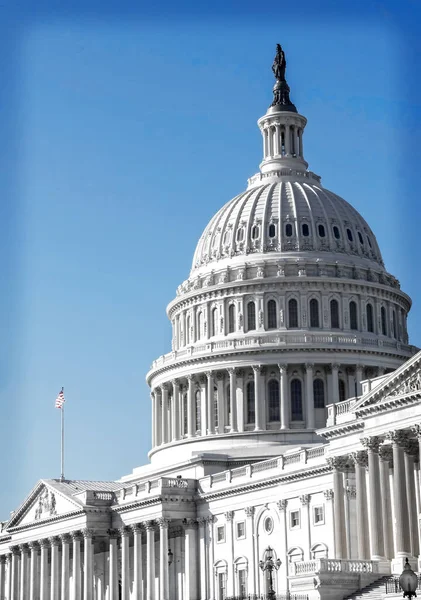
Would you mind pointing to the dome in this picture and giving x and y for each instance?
(286, 218)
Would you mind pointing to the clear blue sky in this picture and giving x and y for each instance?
(122, 131)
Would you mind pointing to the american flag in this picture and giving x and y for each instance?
(60, 399)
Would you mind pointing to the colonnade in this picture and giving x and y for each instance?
(282, 140)
(375, 502)
(62, 567)
(202, 403)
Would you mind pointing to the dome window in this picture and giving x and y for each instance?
(349, 234)
(250, 402)
(318, 393)
(272, 230)
(240, 234)
(251, 316)
(227, 237)
(336, 232)
(369, 242)
(321, 230)
(296, 400)
(288, 230)
(342, 390)
(231, 318)
(383, 320)
(255, 232)
(293, 313)
(334, 314)
(353, 316)
(273, 400)
(271, 307)
(370, 318)
(360, 237)
(305, 230)
(314, 313)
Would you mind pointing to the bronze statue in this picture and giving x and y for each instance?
(279, 64)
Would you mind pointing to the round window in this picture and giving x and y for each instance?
(268, 524)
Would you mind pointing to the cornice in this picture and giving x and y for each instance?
(54, 519)
(390, 402)
(139, 504)
(335, 431)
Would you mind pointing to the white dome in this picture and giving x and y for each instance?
(286, 218)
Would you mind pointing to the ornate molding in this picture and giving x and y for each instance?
(124, 531)
(163, 523)
(149, 525)
(305, 499)
(66, 538)
(229, 515)
(282, 505)
(371, 443)
(328, 494)
(359, 458)
(386, 453)
(399, 438)
(113, 533)
(77, 535)
(250, 510)
(340, 463)
(88, 533)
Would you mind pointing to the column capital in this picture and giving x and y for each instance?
(113, 533)
(371, 443)
(340, 463)
(328, 494)
(165, 386)
(229, 515)
(137, 528)
(360, 367)
(149, 525)
(44, 543)
(209, 374)
(305, 499)
(175, 383)
(220, 375)
(163, 523)
(399, 438)
(191, 377)
(76, 536)
(24, 548)
(65, 538)
(124, 531)
(282, 505)
(202, 521)
(33, 545)
(210, 519)
(3, 559)
(411, 447)
(416, 430)
(250, 510)
(15, 550)
(189, 523)
(350, 370)
(283, 367)
(335, 366)
(239, 373)
(309, 366)
(359, 458)
(202, 379)
(157, 390)
(231, 370)
(386, 453)
(88, 533)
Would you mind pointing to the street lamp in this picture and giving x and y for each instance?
(270, 565)
(170, 557)
(408, 581)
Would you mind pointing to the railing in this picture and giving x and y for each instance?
(292, 459)
(392, 585)
(265, 465)
(240, 472)
(104, 495)
(286, 596)
(316, 452)
(332, 565)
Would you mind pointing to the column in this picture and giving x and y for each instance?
(211, 416)
(150, 560)
(233, 394)
(164, 413)
(385, 456)
(360, 462)
(190, 407)
(88, 564)
(351, 381)
(137, 561)
(55, 584)
(163, 558)
(158, 416)
(336, 464)
(113, 565)
(283, 571)
(203, 406)
(14, 577)
(287, 141)
(2, 577)
(211, 545)
(265, 142)
(9, 576)
(329, 516)
(24, 565)
(257, 401)
(410, 449)
(402, 537)
(176, 410)
(44, 578)
(375, 503)
(190, 554)
(309, 396)
(251, 582)
(178, 568)
(277, 139)
(335, 383)
(221, 401)
(240, 399)
(65, 566)
(125, 566)
(283, 388)
(202, 558)
(305, 503)
(358, 376)
(154, 432)
(229, 518)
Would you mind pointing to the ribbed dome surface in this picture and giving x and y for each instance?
(286, 217)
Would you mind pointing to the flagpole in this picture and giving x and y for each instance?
(62, 441)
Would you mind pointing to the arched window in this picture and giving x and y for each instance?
(342, 393)
(251, 316)
(271, 308)
(370, 320)
(293, 313)
(394, 324)
(319, 393)
(251, 413)
(185, 414)
(231, 318)
(349, 234)
(240, 234)
(188, 330)
(305, 230)
(314, 313)
(273, 400)
(215, 321)
(254, 232)
(296, 400)
(227, 237)
(336, 232)
(288, 230)
(334, 314)
(229, 404)
(198, 399)
(360, 237)
(353, 319)
(200, 332)
(215, 407)
(272, 230)
(384, 321)
(321, 230)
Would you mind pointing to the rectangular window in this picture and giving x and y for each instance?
(242, 583)
(318, 515)
(220, 533)
(241, 530)
(221, 586)
(294, 519)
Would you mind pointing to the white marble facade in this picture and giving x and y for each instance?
(287, 415)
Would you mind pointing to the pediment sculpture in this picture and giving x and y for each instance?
(46, 506)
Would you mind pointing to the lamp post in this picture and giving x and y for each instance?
(270, 565)
(170, 557)
(408, 581)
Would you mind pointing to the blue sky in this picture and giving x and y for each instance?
(122, 131)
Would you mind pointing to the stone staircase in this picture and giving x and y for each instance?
(374, 591)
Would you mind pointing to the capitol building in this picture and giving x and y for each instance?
(286, 419)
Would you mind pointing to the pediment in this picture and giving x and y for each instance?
(406, 380)
(43, 503)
